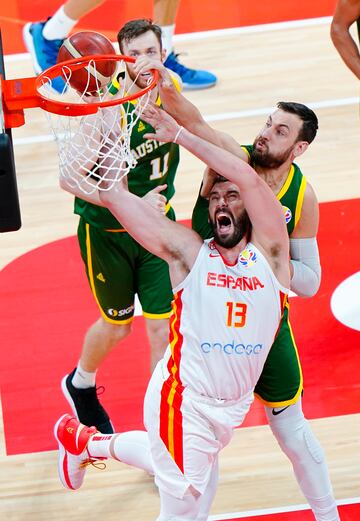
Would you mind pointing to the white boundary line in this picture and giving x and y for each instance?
(260, 28)
(280, 510)
(204, 35)
(223, 116)
(267, 110)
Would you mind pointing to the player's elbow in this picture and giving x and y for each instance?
(305, 281)
(336, 33)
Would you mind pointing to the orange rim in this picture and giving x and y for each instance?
(67, 108)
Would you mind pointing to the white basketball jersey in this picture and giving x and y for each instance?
(224, 321)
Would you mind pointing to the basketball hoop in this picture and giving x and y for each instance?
(92, 129)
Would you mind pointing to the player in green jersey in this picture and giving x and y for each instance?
(117, 267)
(286, 135)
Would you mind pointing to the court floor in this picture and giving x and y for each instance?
(46, 305)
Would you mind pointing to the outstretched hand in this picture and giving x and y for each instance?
(156, 199)
(165, 126)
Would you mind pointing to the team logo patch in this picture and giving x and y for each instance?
(100, 277)
(247, 258)
(141, 127)
(287, 214)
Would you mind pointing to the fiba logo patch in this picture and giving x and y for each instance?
(287, 214)
(247, 258)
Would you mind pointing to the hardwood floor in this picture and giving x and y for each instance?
(255, 70)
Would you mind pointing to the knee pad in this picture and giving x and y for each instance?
(294, 435)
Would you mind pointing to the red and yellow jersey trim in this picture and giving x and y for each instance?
(171, 430)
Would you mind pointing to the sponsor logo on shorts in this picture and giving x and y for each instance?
(114, 313)
(231, 348)
(287, 214)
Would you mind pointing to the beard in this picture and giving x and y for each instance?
(140, 81)
(267, 160)
(242, 228)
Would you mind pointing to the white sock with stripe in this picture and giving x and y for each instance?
(83, 379)
(132, 448)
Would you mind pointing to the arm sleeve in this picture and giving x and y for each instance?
(305, 260)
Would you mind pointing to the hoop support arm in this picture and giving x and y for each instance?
(18, 94)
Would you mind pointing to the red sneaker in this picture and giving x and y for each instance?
(73, 437)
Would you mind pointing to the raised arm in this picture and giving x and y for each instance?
(261, 204)
(183, 111)
(173, 242)
(346, 13)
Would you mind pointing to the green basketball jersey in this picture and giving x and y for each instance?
(291, 197)
(156, 164)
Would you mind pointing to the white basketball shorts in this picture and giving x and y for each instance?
(187, 431)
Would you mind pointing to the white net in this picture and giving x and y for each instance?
(95, 150)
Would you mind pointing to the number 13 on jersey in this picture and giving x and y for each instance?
(236, 314)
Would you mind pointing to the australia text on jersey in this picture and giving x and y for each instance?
(145, 148)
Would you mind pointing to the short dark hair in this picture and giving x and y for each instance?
(308, 117)
(135, 28)
(220, 179)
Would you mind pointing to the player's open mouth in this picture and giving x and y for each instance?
(261, 145)
(223, 222)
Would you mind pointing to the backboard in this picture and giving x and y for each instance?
(10, 218)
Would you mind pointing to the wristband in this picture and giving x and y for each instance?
(178, 134)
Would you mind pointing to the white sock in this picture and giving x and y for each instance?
(83, 379)
(167, 32)
(59, 26)
(132, 448)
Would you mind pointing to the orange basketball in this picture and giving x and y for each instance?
(88, 43)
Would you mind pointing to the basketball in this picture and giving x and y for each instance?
(88, 43)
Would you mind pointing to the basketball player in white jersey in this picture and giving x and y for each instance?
(229, 294)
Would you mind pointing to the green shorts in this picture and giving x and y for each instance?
(281, 380)
(117, 268)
